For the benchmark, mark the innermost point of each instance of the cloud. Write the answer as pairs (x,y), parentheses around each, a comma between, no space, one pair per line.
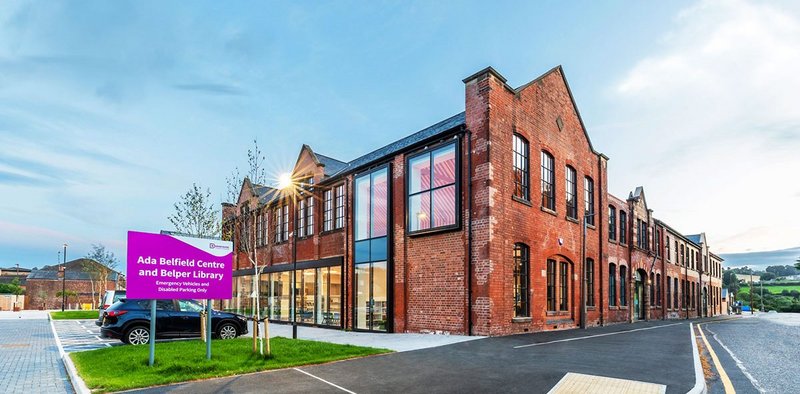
(712,114)
(211,88)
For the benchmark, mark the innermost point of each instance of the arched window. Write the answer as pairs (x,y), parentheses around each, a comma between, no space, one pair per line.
(653,300)
(622,284)
(521,275)
(548,181)
(623,227)
(572,193)
(521,176)
(551,285)
(588,194)
(669,292)
(612,284)
(658,289)
(675,304)
(564,279)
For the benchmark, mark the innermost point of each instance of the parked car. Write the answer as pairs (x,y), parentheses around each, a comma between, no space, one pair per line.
(129,321)
(109,298)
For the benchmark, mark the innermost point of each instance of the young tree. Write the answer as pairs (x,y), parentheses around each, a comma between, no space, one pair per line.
(98,273)
(255,172)
(195,213)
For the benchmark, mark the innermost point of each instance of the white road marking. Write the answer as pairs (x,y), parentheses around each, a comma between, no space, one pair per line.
(100,339)
(325,381)
(738,363)
(594,336)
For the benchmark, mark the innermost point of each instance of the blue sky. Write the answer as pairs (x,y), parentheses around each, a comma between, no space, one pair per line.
(109,111)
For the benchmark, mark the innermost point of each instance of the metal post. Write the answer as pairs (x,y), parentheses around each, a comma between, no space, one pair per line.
(64,280)
(751,295)
(583,274)
(294,266)
(762,294)
(152,332)
(208,330)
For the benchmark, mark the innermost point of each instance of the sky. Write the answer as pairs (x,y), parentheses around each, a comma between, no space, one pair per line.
(109,111)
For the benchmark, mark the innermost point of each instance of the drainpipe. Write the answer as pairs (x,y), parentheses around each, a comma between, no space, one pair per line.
(469,233)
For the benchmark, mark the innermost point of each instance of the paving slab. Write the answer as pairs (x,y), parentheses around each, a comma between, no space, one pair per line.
(29,358)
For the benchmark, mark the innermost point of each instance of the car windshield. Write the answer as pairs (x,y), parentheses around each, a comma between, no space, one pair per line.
(190,306)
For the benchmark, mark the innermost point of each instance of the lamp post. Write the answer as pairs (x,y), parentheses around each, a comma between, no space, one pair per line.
(584,291)
(286,183)
(64,279)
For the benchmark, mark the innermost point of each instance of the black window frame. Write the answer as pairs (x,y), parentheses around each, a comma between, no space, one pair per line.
(623,227)
(669,292)
(564,275)
(612,284)
(623,280)
(327,210)
(589,282)
(521,280)
(571,189)
(456,142)
(548,200)
(551,285)
(522,184)
(339,204)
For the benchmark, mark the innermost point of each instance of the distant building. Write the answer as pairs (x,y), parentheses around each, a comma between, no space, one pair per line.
(745,278)
(44,285)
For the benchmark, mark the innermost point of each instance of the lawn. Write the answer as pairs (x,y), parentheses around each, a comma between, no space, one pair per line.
(774,289)
(125,367)
(91,314)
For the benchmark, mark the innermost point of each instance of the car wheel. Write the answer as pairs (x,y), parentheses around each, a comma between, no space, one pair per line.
(137,336)
(226,331)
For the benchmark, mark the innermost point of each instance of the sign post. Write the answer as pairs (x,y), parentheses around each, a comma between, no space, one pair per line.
(167,267)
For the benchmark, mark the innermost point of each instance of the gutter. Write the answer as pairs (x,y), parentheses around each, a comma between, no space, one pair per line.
(469,233)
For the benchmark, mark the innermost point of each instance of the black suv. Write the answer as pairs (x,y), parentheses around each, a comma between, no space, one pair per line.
(129,320)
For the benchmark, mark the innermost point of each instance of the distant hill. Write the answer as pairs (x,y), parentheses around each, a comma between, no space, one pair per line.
(761,260)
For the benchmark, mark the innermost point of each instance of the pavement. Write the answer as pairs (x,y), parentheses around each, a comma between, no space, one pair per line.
(657,354)
(81,335)
(398,342)
(758,352)
(29,358)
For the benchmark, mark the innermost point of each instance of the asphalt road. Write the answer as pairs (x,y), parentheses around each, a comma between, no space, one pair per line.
(759,354)
(657,352)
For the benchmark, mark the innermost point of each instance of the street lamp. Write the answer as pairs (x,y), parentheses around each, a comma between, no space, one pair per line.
(286,184)
(64,279)
(586,216)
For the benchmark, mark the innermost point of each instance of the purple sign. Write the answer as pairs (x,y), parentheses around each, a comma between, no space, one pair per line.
(168,266)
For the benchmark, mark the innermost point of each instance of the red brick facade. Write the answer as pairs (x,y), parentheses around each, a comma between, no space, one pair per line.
(462,279)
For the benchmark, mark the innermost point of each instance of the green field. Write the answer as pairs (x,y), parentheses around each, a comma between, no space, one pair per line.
(774,289)
(125,367)
(82,315)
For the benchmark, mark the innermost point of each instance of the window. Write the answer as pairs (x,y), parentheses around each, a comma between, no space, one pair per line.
(612,285)
(677,259)
(589,282)
(300,219)
(564,305)
(370,287)
(683,256)
(521,275)
(623,227)
(551,285)
(669,292)
(548,182)
(432,198)
(588,188)
(572,193)
(668,252)
(259,229)
(310,216)
(327,210)
(281,223)
(658,289)
(652,287)
(685,294)
(641,234)
(657,242)
(339,207)
(675,304)
(521,172)
(622,286)
(612,223)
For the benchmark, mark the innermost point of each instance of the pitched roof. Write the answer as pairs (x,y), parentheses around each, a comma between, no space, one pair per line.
(406,142)
(694,238)
(332,166)
(74,271)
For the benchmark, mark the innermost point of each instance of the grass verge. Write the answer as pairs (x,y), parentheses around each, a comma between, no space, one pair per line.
(82,315)
(125,367)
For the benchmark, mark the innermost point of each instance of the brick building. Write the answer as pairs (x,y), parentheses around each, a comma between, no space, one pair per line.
(44,285)
(474,225)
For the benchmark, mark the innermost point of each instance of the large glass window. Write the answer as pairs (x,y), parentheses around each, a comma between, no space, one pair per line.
(521,176)
(372,209)
(588,193)
(623,284)
(521,275)
(623,227)
(305,283)
(589,282)
(432,198)
(281,221)
(572,193)
(551,285)
(612,285)
(548,182)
